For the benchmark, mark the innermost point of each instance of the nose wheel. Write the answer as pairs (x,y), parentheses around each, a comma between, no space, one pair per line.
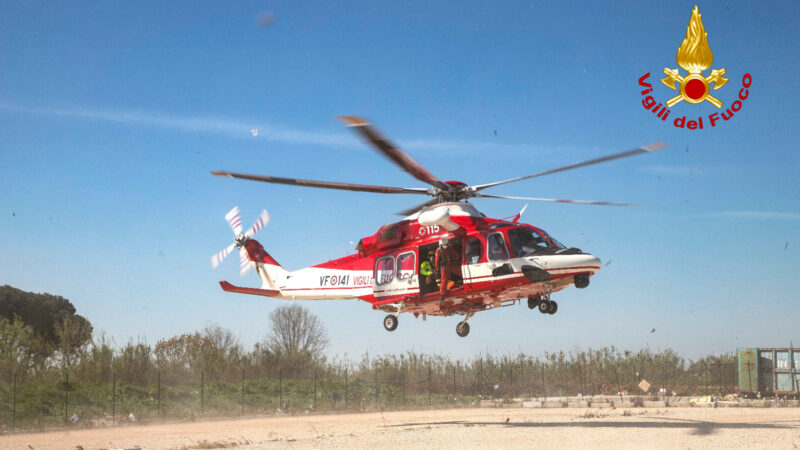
(390,322)
(462,329)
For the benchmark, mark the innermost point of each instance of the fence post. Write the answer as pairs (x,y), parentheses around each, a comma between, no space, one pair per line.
(522,377)
(113,398)
(377,387)
(580,375)
(404,384)
(511,381)
(544,389)
(566,390)
(503,377)
(280,388)
(158,392)
(454,383)
(315,389)
(202,392)
(480,379)
(14,394)
(66,399)
(242,390)
(705,372)
(430,386)
(345,388)
(720,375)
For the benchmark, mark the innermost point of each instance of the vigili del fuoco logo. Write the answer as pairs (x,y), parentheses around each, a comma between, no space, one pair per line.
(695,57)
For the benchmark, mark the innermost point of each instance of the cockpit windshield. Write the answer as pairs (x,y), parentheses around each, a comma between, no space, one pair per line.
(527,241)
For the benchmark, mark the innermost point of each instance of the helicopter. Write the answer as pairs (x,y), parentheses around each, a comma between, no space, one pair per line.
(486,263)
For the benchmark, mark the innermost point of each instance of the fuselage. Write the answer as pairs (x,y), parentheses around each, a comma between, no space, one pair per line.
(500,261)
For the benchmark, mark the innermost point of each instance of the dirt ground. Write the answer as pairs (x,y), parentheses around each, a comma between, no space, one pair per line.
(453,428)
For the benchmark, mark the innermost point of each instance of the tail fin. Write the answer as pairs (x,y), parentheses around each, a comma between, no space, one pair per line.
(270,272)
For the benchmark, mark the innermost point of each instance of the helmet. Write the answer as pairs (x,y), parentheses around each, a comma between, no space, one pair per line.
(443,242)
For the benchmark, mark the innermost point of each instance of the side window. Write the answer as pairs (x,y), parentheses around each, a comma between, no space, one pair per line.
(497,247)
(406,263)
(474,250)
(384,270)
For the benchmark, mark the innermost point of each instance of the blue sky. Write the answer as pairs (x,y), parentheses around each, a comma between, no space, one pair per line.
(112,116)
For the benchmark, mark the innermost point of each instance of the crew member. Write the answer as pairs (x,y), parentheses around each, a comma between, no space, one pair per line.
(447,262)
(426,270)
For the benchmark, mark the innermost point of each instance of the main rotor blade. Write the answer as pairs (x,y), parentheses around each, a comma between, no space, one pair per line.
(413,209)
(637,151)
(391,151)
(555,200)
(325,184)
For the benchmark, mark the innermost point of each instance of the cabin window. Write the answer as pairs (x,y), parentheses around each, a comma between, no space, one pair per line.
(384,270)
(496,247)
(474,250)
(406,263)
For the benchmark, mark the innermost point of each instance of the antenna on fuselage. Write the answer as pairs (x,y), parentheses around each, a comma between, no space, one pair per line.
(519,214)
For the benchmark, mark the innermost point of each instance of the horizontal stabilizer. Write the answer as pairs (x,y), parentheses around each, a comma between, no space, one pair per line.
(227,287)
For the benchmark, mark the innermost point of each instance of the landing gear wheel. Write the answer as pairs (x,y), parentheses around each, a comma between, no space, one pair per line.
(462,329)
(544,306)
(552,308)
(390,322)
(533,302)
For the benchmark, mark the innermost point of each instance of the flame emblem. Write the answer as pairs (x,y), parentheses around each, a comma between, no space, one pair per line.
(694,56)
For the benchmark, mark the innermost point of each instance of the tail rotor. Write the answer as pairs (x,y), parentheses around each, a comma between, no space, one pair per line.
(240,239)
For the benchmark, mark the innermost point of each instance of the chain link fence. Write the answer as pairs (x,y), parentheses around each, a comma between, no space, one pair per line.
(39,402)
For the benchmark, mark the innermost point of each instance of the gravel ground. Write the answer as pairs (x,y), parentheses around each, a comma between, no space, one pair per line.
(485,427)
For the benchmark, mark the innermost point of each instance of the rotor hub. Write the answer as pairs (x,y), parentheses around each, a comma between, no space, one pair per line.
(240,240)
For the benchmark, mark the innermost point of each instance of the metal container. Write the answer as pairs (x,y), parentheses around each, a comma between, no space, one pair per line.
(769,371)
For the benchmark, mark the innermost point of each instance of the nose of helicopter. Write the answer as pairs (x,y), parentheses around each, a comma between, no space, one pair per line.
(588,265)
(590,262)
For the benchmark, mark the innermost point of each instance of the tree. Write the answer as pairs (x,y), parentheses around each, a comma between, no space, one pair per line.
(73,337)
(17,347)
(43,313)
(294,332)
(214,350)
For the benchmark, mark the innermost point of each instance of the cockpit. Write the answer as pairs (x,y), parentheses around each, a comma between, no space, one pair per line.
(530,241)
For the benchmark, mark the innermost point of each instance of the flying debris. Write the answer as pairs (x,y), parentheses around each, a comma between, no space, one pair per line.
(266,19)
(254,132)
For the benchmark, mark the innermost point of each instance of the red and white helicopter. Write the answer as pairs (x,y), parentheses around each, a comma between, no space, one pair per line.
(501,261)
